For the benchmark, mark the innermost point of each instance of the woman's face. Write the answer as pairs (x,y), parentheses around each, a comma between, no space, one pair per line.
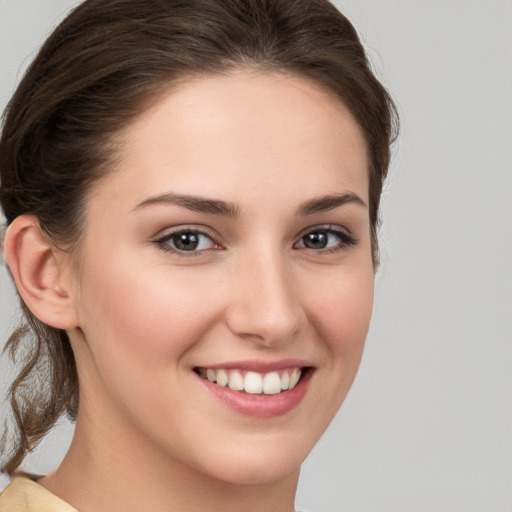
(230,243)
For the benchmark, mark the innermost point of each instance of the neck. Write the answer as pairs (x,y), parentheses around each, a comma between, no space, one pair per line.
(114,471)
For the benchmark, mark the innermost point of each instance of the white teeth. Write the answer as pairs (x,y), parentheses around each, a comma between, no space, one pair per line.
(285,381)
(222,377)
(253,383)
(294,378)
(236,381)
(271,383)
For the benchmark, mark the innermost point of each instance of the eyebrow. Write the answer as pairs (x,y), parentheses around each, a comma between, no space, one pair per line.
(326,203)
(195,203)
(226,209)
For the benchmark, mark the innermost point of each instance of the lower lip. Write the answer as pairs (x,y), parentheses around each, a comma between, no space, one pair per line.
(264,406)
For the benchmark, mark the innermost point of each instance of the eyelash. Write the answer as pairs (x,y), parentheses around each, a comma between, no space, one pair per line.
(345,240)
(163,242)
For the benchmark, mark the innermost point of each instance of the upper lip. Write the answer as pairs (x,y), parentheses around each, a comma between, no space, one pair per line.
(258,365)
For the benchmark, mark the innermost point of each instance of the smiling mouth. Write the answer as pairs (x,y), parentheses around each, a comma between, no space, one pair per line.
(254,383)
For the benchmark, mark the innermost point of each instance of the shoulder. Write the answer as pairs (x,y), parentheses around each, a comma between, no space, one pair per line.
(26,495)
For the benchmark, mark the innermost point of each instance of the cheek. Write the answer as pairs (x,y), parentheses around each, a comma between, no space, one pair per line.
(139,328)
(156,315)
(343,311)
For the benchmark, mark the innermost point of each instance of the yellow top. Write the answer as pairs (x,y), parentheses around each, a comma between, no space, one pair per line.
(25,495)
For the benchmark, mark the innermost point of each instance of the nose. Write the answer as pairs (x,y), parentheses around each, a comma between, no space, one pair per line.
(264,303)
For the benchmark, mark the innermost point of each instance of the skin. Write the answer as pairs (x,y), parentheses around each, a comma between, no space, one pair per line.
(149,436)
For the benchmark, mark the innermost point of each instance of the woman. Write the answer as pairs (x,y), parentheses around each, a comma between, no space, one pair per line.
(191,191)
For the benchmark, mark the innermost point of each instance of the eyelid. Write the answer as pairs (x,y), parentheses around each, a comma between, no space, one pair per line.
(345,236)
(198,228)
(164,236)
(348,239)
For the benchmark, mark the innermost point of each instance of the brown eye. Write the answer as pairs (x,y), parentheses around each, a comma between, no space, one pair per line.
(316,240)
(186,241)
(326,239)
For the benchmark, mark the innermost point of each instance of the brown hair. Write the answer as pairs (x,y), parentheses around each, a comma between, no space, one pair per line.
(100,68)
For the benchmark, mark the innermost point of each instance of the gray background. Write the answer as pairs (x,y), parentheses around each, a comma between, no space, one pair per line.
(428,423)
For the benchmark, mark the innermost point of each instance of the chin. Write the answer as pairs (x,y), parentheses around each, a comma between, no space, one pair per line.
(244,473)
(259,462)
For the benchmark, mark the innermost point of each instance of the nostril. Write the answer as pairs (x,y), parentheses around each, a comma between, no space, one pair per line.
(270,328)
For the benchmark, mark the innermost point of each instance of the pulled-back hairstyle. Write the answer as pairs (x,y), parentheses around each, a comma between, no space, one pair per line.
(104,65)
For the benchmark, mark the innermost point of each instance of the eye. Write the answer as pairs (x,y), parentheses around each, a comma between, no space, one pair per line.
(325,239)
(187,240)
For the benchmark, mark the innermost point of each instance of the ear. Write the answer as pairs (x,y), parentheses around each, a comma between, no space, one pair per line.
(40,272)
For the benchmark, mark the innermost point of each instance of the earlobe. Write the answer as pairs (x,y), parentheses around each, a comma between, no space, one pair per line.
(38,271)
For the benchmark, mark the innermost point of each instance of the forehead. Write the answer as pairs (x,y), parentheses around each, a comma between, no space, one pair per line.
(226,134)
